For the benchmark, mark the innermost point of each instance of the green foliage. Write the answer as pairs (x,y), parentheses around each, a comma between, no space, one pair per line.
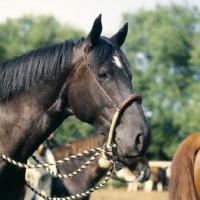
(24,34)
(168,38)
(72,129)
(167,76)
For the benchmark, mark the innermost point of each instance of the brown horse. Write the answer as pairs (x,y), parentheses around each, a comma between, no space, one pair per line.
(40,89)
(184,181)
(93,173)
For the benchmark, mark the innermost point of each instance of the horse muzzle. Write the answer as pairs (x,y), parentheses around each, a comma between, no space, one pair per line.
(132,146)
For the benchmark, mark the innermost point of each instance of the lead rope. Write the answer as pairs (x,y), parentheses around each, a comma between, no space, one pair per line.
(83,194)
(97,152)
(43,165)
(104,161)
(76,196)
(62,176)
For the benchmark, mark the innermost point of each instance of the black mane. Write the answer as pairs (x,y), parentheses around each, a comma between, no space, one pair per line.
(21,73)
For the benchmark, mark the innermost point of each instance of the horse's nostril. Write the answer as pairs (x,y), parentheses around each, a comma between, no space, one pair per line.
(138,142)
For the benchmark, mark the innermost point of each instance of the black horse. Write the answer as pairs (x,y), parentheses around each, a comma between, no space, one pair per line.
(40,89)
(93,173)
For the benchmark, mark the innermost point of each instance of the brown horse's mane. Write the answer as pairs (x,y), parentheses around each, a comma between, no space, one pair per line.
(181,185)
(78,146)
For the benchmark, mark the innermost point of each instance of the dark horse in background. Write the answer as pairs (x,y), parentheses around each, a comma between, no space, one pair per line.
(184,181)
(40,89)
(93,173)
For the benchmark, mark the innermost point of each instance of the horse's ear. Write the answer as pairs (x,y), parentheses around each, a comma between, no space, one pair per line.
(120,36)
(94,35)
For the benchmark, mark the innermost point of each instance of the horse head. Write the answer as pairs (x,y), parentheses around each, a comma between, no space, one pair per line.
(101,76)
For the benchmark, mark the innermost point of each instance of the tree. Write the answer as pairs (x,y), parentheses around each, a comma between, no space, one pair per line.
(19,36)
(74,129)
(164,51)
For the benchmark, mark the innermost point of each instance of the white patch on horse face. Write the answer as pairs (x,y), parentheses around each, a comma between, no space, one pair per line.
(117,62)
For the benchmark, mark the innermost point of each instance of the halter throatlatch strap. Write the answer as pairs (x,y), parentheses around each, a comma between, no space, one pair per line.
(104,161)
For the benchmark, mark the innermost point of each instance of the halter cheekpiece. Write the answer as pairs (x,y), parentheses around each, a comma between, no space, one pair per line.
(107,159)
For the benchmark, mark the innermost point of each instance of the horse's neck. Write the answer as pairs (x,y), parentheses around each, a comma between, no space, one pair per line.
(78,146)
(90,142)
(182,184)
(27,120)
(23,128)
(12,181)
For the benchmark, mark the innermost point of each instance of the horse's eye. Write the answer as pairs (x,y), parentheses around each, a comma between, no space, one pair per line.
(102,74)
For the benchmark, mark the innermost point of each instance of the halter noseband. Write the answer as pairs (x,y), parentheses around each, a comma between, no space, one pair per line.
(104,161)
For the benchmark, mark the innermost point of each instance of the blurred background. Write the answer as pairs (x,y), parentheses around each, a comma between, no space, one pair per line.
(163,47)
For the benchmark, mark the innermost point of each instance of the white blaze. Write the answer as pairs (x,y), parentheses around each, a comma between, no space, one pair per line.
(117,62)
